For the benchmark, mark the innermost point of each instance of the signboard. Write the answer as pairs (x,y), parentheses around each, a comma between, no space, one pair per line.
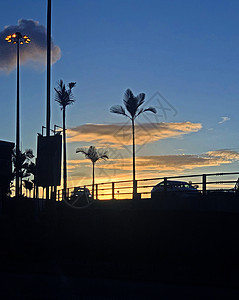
(5,162)
(48,160)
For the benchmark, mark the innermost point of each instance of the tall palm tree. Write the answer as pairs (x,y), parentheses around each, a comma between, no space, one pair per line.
(64,97)
(94,155)
(132,104)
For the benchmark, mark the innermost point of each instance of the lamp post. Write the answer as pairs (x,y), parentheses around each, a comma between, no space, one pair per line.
(48,80)
(18,39)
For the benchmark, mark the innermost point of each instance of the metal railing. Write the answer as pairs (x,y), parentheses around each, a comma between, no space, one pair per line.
(121,190)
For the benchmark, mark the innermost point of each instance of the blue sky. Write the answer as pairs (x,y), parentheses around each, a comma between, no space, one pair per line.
(186,50)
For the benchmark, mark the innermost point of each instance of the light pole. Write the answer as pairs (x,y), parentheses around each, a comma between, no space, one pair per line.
(48,80)
(18,39)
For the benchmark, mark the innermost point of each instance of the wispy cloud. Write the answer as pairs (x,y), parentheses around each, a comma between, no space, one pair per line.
(226,155)
(224,119)
(35,51)
(120,135)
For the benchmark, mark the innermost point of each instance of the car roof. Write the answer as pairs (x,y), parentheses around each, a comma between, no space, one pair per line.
(175,182)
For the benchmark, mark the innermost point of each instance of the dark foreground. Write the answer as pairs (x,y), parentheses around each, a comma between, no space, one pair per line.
(119,251)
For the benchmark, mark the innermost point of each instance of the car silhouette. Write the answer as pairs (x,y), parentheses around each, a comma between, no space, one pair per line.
(81,195)
(175,188)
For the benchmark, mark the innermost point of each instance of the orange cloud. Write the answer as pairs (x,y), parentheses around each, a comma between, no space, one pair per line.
(224,154)
(149,166)
(119,169)
(164,162)
(121,135)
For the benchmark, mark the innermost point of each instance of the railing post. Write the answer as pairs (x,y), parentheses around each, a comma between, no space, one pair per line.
(96,191)
(113,191)
(165,184)
(135,189)
(204,184)
(165,188)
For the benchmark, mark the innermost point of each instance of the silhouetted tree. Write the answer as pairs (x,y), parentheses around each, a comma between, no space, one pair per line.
(132,104)
(25,164)
(28,184)
(94,155)
(32,171)
(64,97)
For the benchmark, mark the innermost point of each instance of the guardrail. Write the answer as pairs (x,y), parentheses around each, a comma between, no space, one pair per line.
(121,190)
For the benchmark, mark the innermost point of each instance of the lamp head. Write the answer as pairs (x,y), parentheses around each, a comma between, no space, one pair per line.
(16,38)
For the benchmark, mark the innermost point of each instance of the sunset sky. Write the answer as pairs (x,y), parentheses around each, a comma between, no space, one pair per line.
(184,55)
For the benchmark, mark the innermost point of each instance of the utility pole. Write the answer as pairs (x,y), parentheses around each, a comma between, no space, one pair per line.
(18,39)
(48,98)
(48,105)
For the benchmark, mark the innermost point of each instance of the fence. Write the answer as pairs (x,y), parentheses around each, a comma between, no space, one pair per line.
(120,190)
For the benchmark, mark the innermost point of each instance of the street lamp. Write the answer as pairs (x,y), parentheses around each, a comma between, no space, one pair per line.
(18,39)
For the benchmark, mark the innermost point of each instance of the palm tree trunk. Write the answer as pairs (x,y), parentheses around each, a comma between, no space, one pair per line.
(134,182)
(34,190)
(64,153)
(93,180)
(20,186)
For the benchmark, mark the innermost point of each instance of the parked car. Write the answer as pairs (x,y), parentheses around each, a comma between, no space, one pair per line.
(175,188)
(81,196)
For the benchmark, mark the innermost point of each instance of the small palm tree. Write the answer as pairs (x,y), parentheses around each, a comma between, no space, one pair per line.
(28,184)
(25,163)
(94,155)
(132,104)
(64,97)
(32,171)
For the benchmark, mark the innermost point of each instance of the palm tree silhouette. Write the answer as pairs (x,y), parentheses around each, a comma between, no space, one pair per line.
(64,97)
(28,184)
(25,160)
(32,171)
(132,104)
(25,163)
(94,155)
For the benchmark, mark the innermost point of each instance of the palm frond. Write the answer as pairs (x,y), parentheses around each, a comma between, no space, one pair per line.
(61,84)
(81,150)
(140,99)
(131,106)
(151,109)
(128,94)
(103,154)
(71,85)
(130,102)
(28,153)
(104,157)
(118,109)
